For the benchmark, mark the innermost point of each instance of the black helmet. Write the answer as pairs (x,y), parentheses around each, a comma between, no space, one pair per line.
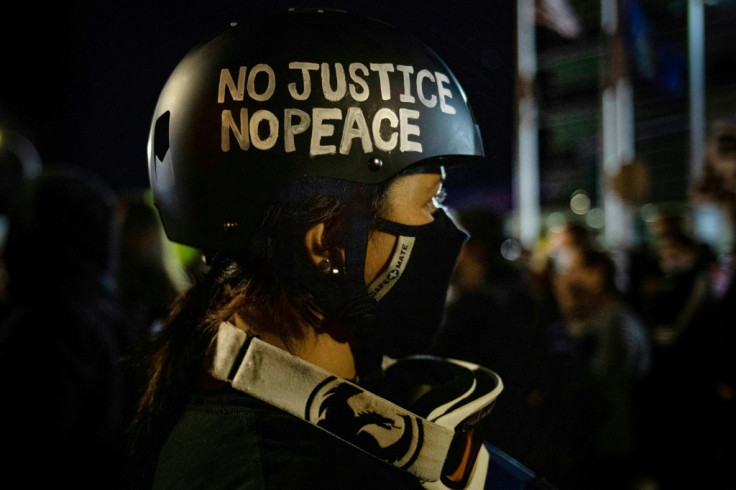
(272,99)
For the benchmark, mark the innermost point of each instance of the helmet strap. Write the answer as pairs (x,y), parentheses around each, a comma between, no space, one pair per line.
(359,311)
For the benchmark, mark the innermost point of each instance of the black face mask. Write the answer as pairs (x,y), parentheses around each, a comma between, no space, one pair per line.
(411,293)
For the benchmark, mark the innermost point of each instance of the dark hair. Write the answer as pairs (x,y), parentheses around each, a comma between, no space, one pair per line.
(265,285)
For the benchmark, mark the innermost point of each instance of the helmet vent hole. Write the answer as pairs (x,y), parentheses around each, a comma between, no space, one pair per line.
(161,136)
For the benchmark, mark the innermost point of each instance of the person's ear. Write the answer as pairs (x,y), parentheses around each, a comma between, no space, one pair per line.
(328,259)
(313,243)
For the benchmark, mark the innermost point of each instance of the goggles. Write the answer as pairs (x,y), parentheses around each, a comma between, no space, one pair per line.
(427,416)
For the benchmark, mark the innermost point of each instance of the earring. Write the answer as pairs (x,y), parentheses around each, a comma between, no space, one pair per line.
(325,265)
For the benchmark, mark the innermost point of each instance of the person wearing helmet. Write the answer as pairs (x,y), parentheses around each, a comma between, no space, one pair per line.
(304,154)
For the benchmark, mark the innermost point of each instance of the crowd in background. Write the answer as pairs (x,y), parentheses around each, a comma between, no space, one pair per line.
(617,374)
(618,365)
(84,279)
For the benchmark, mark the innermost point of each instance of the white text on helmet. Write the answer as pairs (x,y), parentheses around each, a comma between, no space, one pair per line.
(430,87)
(389,128)
(386,130)
(237,91)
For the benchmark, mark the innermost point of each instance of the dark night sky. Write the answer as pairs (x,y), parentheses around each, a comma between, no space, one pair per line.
(80,79)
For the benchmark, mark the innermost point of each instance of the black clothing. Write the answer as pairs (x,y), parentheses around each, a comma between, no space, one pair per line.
(59,363)
(227,439)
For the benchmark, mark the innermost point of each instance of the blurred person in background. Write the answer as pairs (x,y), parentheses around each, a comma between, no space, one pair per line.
(541,266)
(670,283)
(608,343)
(717,185)
(146,287)
(642,265)
(682,292)
(59,341)
(675,305)
(577,426)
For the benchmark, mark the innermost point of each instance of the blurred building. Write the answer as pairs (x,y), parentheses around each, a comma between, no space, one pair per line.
(623,94)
